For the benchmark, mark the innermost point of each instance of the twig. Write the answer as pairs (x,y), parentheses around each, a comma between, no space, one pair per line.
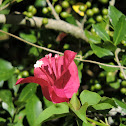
(4,7)
(53,10)
(1,2)
(117,60)
(53,51)
(112,2)
(83,21)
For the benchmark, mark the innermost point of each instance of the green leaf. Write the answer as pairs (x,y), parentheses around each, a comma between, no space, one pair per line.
(101,32)
(119,103)
(7,104)
(2,119)
(33,109)
(12,82)
(55,109)
(34,51)
(114,15)
(19,0)
(75,102)
(18,120)
(120,30)
(6,70)
(27,92)
(102,106)
(87,124)
(122,124)
(115,85)
(100,52)
(81,113)
(109,69)
(92,38)
(71,20)
(124,59)
(91,98)
(28,37)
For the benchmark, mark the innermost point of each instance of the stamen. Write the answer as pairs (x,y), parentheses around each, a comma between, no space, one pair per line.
(49,78)
(38,64)
(49,56)
(56,64)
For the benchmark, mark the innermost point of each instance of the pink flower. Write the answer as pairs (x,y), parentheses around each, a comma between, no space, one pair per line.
(57,76)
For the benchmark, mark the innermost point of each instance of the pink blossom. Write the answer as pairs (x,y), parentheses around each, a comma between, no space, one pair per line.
(57,76)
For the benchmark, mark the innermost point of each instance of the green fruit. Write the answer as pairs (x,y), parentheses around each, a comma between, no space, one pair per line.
(64,14)
(92,88)
(29,15)
(123,90)
(88,3)
(25,13)
(25,73)
(30,8)
(104,1)
(17,71)
(89,12)
(124,83)
(82,8)
(65,4)
(99,18)
(44,10)
(58,9)
(121,75)
(49,9)
(45,21)
(93,31)
(95,10)
(97,86)
(55,0)
(34,11)
(19,76)
(104,11)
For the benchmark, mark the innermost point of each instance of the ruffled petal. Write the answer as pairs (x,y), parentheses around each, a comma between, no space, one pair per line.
(57,99)
(68,58)
(68,83)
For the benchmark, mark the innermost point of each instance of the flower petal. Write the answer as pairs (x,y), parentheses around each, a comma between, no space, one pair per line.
(68,83)
(57,99)
(68,58)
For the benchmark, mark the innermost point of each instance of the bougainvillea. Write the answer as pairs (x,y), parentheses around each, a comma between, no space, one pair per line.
(57,76)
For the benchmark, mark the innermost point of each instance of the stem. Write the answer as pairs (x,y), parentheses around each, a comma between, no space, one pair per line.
(53,10)
(117,60)
(53,51)
(97,123)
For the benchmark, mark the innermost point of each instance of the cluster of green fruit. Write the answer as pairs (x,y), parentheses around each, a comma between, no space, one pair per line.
(21,74)
(31,11)
(58,8)
(95,10)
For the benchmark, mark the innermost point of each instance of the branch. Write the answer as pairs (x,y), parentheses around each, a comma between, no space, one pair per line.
(53,51)
(53,10)
(57,25)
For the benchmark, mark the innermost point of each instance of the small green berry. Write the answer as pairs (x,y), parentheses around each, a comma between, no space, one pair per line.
(45,21)
(82,8)
(88,3)
(65,4)
(25,73)
(104,11)
(44,10)
(58,9)
(34,11)
(95,10)
(123,83)
(89,12)
(97,86)
(30,8)
(123,90)
(25,13)
(64,14)
(99,18)
(29,15)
